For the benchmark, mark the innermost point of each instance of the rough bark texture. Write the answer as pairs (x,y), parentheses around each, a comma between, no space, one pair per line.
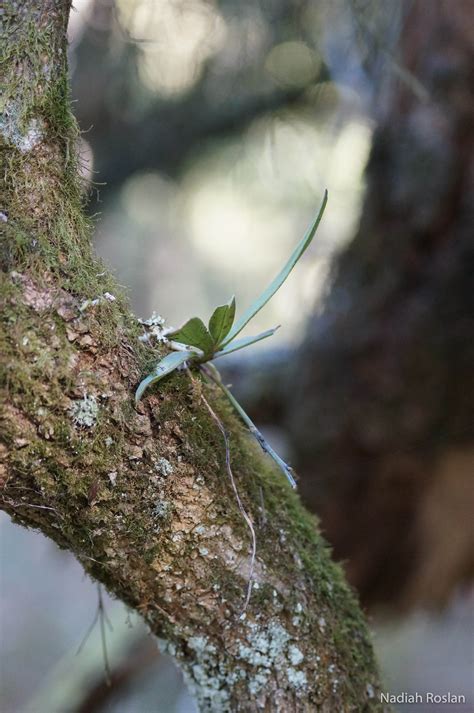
(140,495)
(381,397)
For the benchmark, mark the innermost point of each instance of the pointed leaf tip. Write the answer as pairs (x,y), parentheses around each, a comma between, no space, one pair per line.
(279,279)
(221,321)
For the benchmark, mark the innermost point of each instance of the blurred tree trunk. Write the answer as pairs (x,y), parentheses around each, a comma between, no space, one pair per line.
(140,494)
(381,395)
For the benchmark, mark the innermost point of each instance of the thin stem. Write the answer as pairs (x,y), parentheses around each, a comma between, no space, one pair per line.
(101,617)
(31,505)
(214,375)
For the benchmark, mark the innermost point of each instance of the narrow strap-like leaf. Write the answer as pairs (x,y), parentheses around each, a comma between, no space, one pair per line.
(279,279)
(211,371)
(245,342)
(168,364)
(194,333)
(221,321)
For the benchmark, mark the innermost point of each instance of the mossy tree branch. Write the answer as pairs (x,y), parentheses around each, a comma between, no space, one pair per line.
(140,494)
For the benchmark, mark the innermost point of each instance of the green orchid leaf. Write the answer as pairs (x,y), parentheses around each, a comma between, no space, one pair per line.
(194,333)
(168,364)
(279,279)
(245,342)
(221,321)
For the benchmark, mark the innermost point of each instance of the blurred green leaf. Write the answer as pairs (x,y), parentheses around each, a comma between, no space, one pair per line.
(194,333)
(168,364)
(279,279)
(245,342)
(221,321)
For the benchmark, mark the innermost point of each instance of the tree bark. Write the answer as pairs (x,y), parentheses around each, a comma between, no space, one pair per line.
(380,400)
(140,494)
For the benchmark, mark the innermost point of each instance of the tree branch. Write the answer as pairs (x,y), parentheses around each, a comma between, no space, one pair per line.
(140,495)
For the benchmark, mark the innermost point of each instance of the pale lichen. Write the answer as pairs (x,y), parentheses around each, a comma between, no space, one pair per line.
(296,621)
(297,679)
(24,140)
(164,467)
(269,649)
(107,296)
(295,655)
(154,328)
(370,691)
(84,412)
(207,677)
(161,508)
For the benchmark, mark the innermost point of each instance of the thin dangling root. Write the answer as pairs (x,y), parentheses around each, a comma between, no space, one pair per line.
(245,515)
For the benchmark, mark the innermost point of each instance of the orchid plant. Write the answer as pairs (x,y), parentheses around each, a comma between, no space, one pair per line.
(195,345)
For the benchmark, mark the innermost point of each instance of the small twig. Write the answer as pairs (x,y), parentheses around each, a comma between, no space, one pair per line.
(246,517)
(88,632)
(101,617)
(103,609)
(31,505)
(80,555)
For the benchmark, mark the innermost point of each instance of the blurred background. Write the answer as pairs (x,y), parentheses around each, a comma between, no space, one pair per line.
(210,129)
